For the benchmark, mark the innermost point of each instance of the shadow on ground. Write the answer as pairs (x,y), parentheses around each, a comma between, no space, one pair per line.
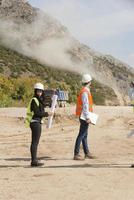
(98,165)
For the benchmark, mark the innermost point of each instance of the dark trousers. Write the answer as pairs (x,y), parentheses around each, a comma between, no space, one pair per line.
(36,133)
(82,137)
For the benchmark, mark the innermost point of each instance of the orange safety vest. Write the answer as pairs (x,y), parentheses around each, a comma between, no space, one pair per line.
(79,104)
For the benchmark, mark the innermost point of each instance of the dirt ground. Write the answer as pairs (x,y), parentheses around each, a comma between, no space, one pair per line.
(108,177)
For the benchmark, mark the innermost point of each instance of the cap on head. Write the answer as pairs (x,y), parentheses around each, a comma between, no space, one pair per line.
(86,78)
(39,86)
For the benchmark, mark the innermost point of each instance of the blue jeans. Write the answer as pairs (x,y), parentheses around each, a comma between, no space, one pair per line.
(82,137)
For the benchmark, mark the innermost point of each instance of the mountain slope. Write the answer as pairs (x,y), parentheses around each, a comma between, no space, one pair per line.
(18,73)
(35,34)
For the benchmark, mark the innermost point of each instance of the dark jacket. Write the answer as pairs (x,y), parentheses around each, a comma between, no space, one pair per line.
(39,111)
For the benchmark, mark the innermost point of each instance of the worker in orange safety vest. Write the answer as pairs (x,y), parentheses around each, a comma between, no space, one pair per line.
(84,106)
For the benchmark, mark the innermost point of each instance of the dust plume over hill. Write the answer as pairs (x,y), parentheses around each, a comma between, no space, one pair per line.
(35,34)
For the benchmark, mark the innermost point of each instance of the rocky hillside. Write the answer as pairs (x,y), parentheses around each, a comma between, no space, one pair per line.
(18,74)
(35,34)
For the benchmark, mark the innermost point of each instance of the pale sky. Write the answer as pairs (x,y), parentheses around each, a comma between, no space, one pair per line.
(106,26)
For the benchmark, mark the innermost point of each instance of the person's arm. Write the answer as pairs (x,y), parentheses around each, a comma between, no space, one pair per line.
(85,105)
(37,112)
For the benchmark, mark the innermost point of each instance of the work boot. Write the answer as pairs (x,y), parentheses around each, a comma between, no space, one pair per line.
(36,164)
(78,157)
(89,156)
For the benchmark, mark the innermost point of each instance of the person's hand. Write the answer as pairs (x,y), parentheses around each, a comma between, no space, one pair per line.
(88,121)
(50,113)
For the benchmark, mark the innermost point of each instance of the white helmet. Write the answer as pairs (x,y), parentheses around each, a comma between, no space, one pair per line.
(86,78)
(39,86)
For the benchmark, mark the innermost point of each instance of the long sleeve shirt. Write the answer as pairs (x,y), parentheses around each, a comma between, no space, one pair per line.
(39,112)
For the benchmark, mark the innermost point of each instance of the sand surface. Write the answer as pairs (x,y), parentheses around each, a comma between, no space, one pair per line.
(108,177)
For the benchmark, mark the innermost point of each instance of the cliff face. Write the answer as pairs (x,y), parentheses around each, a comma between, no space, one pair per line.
(36,34)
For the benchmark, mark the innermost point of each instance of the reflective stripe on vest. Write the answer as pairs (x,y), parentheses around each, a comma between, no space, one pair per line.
(30,113)
(79,101)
